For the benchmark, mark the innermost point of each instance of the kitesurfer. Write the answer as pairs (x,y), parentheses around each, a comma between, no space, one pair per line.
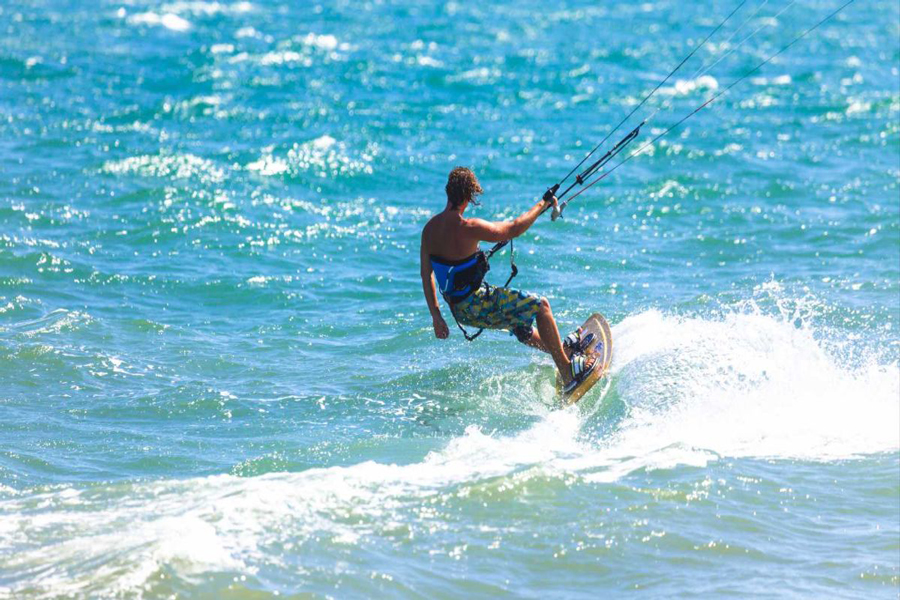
(450,253)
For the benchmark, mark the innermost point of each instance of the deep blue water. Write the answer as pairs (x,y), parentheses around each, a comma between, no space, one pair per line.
(217,371)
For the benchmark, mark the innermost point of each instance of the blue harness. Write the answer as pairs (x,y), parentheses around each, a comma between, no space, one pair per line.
(458,279)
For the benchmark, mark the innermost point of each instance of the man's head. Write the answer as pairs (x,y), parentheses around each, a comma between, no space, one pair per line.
(462,187)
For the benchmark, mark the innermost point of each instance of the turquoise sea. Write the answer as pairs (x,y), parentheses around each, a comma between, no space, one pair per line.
(218,377)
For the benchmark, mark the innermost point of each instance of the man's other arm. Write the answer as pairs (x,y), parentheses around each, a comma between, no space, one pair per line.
(441,331)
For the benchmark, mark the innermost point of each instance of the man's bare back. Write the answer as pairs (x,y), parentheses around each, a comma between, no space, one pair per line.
(448,235)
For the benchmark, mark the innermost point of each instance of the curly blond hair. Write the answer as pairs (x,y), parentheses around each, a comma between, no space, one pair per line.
(462,186)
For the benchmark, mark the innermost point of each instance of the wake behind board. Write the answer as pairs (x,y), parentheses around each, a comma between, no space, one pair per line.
(601,346)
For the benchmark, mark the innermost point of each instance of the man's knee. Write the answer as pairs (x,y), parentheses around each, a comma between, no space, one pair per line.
(544,307)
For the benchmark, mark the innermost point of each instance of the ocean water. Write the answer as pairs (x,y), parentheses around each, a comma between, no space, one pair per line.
(218,377)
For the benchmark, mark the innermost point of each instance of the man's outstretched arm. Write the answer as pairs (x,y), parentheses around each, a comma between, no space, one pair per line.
(488,231)
(441,331)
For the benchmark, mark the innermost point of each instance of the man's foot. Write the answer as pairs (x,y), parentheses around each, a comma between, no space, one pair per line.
(575,343)
(582,366)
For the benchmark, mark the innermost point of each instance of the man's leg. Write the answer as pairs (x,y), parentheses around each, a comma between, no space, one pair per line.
(535,342)
(547,339)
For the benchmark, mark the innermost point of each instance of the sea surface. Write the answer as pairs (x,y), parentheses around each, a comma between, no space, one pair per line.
(218,376)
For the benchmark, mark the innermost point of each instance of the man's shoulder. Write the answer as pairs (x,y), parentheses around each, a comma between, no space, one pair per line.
(429,232)
(476,224)
(429,225)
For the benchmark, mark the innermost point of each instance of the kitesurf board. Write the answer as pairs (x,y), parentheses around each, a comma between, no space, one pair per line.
(601,347)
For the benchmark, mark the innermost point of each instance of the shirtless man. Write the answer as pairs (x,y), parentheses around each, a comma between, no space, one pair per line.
(450,252)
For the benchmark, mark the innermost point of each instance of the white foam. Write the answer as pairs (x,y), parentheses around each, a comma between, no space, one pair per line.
(683,87)
(749,384)
(170,21)
(281,57)
(54,322)
(778,80)
(226,522)
(175,166)
(478,75)
(207,9)
(743,384)
(324,156)
(322,41)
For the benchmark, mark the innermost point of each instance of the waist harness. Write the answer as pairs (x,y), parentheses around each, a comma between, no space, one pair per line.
(458,279)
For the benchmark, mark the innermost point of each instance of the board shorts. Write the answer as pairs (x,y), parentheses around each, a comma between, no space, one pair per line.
(499,308)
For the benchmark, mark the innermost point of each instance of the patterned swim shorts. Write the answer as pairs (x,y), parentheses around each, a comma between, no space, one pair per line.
(499,308)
